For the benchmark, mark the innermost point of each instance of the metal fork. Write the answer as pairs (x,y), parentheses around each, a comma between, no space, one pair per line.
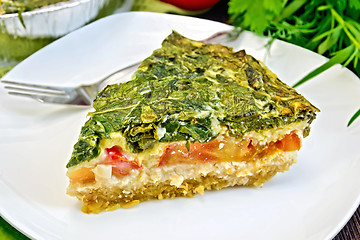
(84,94)
(81,95)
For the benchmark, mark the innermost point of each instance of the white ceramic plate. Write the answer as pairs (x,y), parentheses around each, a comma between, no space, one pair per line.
(313,200)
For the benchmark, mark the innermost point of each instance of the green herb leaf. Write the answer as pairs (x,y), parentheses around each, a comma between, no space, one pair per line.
(255,15)
(21,19)
(187,145)
(8,232)
(338,58)
(354,117)
(331,39)
(355,4)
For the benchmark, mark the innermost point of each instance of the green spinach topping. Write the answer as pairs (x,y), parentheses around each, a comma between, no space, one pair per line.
(182,92)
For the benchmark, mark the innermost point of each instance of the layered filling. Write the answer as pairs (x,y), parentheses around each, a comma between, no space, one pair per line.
(177,161)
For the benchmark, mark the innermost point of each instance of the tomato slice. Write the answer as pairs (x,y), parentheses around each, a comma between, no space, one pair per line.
(177,153)
(218,150)
(226,150)
(121,165)
(290,142)
(115,153)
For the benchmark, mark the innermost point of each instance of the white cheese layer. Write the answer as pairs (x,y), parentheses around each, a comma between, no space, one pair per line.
(175,175)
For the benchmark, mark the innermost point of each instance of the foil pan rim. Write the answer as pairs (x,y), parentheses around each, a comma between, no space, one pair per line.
(55,20)
(46,9)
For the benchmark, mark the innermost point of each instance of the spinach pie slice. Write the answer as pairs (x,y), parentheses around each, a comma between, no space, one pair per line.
(194,117)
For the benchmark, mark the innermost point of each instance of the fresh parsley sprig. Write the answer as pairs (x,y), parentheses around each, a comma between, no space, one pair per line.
(328,27)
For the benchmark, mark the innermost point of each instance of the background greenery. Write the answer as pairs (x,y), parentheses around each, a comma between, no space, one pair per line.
(7,232)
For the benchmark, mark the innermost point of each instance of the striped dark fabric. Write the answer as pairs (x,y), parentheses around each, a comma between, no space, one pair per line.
(351,231)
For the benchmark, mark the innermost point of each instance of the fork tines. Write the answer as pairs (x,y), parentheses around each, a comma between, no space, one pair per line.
(17,88)
(38,92)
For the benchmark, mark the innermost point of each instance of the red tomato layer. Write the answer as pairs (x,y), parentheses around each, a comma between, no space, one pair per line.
(218,150)
(121,165)
(226,150)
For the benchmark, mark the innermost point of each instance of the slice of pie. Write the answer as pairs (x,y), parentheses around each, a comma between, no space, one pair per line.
(194,117)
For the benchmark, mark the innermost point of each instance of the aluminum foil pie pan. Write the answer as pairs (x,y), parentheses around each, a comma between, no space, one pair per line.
(59,19)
